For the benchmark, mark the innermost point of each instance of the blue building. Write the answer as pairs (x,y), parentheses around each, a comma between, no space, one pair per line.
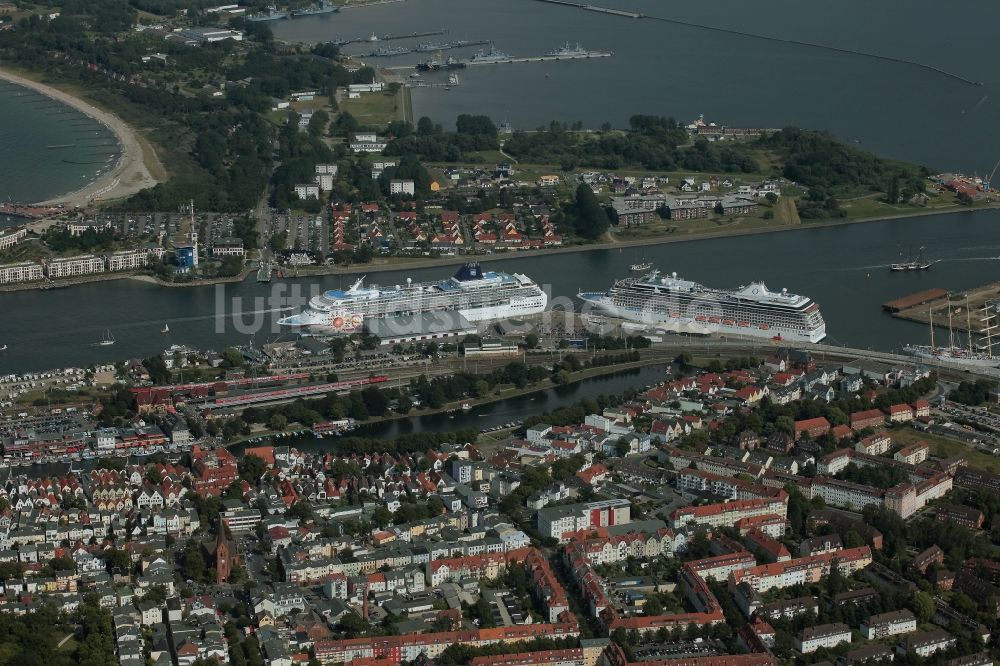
(186,257)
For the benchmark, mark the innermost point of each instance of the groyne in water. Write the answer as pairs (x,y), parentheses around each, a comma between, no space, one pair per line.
(740,33)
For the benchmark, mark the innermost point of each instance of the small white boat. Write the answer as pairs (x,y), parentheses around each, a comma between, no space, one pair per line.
(3,348)
(638,268)
(165,329)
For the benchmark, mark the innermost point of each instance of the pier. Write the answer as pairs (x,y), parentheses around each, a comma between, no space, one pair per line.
(442,47)
(543,58)
(388,38)
(965,307)
(503,61)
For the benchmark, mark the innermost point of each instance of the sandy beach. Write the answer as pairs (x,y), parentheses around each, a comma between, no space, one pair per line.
(130,174)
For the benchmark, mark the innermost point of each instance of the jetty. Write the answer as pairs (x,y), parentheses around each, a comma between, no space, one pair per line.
(504,61)
(964,308)
(388,38)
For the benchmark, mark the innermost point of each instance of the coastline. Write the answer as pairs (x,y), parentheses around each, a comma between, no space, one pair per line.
(610,245)
(130,174)
(437,262)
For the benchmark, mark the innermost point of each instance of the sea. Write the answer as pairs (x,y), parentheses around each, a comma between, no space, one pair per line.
(48,148)
(768,76)
(897,109)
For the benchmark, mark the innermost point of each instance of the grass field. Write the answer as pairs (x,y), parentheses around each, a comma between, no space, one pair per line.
(943,447)
(374,108)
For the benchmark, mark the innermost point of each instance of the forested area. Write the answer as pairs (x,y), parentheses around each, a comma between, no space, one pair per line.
(32,639)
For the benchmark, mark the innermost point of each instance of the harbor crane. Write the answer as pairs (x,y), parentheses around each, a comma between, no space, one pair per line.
(988,181)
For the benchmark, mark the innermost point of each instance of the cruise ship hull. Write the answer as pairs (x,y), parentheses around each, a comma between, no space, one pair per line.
(691,325)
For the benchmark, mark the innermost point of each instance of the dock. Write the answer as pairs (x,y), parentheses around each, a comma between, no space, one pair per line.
(965,308)
(914,300)
(389,38)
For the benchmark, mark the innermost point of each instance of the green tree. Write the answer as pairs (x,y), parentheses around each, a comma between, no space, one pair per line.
(922,605)
(278,422)
(586,215)
(252,467)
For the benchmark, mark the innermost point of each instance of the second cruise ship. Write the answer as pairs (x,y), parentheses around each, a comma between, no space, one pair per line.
(475,294)
(676,305)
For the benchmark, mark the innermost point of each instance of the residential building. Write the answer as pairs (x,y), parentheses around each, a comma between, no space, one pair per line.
(811,639)
(84,264)
(889,624)
(555,522)
(914,454)
(307,191)
(11,237)
(398,186)
(926,643)
(24,271)
(127,260)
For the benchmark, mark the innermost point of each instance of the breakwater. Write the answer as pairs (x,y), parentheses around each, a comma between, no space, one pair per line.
(740,33)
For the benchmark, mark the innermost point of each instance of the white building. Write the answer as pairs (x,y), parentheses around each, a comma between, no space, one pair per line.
(24,271)
(126,260)
(367,142)
(327,168)
(913,454)
(556,521)
(926,643)
(11,237)
(307,191)
(84,264)
(874,445)
(324,181)
(209,35)
(77,228)
(397,186)
(374,86)
(228,247)
(811,639)
(889,624)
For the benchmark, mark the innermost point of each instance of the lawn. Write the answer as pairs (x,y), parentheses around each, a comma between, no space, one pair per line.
(943,447)
(874,206)
(374,108)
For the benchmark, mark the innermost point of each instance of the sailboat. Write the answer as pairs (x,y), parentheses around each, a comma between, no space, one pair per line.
(912,264)
(641,266)
(955,354)
(165,329)
(107,340)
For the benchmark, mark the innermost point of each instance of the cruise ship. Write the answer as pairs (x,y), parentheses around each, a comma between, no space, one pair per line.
(675,305)
(473,293)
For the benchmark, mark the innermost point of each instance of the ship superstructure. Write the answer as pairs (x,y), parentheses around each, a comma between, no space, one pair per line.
(676,305)
(475,294)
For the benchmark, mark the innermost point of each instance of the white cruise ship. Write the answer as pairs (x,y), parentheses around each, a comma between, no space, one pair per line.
(476,295)
(675,305)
